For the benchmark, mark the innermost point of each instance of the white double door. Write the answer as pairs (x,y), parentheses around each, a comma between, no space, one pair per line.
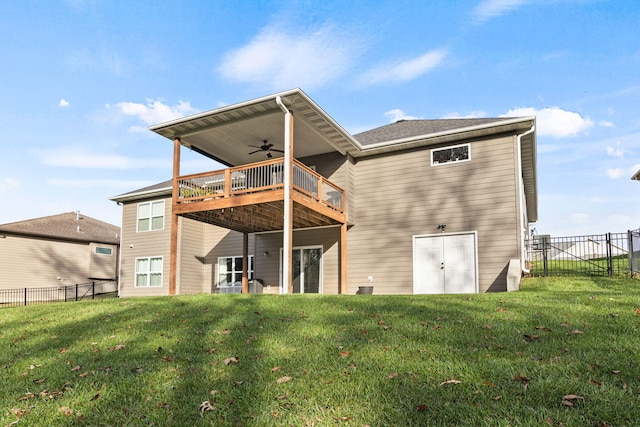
(445,264)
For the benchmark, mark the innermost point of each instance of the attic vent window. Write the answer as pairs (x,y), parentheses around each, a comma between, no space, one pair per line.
(455,153)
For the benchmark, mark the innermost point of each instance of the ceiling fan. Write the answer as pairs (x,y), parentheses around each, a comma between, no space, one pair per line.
(266,147)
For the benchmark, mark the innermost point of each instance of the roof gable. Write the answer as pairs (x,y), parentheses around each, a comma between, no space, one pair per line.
(66,226)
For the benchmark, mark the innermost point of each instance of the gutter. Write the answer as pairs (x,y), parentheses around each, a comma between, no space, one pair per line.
(523,229)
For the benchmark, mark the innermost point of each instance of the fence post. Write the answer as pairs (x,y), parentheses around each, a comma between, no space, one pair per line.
(630,251)
(25,296)
(76,292)
(93,290)
(545,268)
(609,256)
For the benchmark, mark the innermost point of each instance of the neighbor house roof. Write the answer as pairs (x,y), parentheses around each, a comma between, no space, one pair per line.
(411,128)
(636,177)
(66,226)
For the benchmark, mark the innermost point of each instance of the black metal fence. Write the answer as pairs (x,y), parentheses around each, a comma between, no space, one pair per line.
(77,292)
(609,254)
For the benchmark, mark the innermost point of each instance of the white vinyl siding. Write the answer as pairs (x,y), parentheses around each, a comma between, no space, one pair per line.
(151,216)
(148,272)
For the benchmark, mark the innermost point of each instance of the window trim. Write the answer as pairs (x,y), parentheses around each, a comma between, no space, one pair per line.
(150,217)
(95,250)
(250,271)
(148,272)
(450,147)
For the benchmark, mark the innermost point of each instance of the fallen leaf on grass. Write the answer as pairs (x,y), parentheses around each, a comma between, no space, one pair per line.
(28,395)
(421,408)
(392,375)
(211,350)
(530,337)
(19,412)
(344,353)
(119,347)
(451,381)
(275,369)
(84,374)
(39,380)
(96,397)
(230,360)
(65,410)
(227,331)
(577,331)
(594,382)
(568,399)
(501,309)
(636,311)
(76,368)
(205,406)
(615,372)
(283,380)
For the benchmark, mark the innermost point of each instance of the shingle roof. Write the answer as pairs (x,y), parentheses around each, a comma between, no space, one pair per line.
(409,128)
(154,190)
(66,226)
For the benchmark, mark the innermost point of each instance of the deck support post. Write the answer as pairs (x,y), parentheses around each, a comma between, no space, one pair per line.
(173,255)
(343,258)
(287,232)
(245,263)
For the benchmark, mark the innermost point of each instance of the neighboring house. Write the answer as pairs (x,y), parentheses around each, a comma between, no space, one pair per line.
(636,176)
(417,206)
(64,249)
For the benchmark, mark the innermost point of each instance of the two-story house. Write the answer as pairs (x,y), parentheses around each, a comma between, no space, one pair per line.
(417,206)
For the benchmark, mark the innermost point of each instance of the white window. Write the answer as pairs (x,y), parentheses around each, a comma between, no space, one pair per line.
(230,270)
(455,153)
(151,216)
(101,250)
(148,272)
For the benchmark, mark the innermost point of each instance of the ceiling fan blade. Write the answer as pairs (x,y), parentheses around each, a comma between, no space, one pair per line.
(255,146)
(256,151)
(275,149)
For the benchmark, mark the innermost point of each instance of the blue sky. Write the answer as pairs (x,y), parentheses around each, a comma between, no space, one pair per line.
(82,79)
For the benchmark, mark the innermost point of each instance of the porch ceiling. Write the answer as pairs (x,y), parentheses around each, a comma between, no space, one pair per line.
(228,134)
(261,217)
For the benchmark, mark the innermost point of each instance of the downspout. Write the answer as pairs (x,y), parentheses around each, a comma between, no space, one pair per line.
(286,232)
(523,227)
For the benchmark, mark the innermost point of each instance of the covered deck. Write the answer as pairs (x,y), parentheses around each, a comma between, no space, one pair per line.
(250,198)
(280,193)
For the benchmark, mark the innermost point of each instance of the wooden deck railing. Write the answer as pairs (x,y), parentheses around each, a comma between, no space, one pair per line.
(259,177)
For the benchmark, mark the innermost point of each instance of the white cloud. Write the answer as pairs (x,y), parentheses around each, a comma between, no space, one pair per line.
(615,173)
(282,60)
(79,158)
(155,111)
(579,218)
(63,103)
(405,70)
(606,124)
(616,151)
(472,115)
(554,121)
(488,9)
(397,114)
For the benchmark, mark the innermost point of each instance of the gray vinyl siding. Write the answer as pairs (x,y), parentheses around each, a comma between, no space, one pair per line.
(103,266)
(402,195)
(143,244)
(29,262)
(191,259)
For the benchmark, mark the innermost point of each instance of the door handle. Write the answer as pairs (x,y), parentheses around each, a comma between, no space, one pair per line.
(442,266)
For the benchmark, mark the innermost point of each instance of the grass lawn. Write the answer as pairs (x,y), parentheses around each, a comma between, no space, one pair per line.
(561,352)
